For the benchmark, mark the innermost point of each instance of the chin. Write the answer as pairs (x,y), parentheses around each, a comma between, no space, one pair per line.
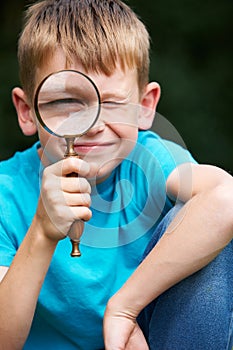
(103,171)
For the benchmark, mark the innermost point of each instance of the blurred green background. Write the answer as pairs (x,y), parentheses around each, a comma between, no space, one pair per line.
(191,58)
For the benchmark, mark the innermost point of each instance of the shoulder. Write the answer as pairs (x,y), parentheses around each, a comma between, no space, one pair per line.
(164,154)
(21,168)
(19,191)
(158,145)
(20,159)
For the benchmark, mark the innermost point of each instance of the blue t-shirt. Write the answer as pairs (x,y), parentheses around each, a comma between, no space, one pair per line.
(126,210)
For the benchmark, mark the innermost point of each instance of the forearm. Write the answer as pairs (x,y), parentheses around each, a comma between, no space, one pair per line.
(60,197)
(200,231)
(21,286)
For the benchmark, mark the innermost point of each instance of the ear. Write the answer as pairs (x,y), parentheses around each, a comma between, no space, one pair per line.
(24,111)
(149,101)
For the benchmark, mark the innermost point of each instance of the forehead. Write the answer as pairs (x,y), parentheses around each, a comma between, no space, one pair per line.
(119,83)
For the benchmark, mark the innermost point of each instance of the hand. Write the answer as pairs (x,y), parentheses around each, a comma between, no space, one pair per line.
(64,200)
(121,331)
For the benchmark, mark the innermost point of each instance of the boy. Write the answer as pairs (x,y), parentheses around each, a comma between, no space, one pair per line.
(128,180)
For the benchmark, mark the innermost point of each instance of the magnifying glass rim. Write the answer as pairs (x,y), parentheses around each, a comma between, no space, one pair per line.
(37,109)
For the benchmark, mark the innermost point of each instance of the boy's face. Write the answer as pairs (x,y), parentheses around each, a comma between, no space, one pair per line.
(114,135)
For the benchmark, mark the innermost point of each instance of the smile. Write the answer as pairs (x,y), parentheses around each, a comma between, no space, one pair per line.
(85,148)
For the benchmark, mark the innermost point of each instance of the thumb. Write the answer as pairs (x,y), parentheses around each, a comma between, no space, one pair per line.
(137,340)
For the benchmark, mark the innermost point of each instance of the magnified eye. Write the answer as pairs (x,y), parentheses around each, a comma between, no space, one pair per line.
(62,107)
(63,102)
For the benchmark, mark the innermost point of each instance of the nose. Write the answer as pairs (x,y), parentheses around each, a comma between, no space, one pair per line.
(99,126)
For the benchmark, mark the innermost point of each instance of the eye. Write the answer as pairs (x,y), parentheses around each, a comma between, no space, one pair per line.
(112,104)
(64,101)
(62,104)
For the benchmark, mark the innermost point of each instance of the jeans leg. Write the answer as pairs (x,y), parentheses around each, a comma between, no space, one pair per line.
(197,313)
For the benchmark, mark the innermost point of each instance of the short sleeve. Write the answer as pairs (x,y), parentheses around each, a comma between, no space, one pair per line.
(166,154)
(7,246)
(19,192)
(172,155)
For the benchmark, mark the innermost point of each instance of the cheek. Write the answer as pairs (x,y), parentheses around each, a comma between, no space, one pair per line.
(127,136)
(123,120)
(111,160)
(47,141)
(124,130)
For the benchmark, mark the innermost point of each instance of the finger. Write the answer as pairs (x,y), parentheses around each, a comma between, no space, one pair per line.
(94,168)
(137,340)
(81,213)
(115,326)
(75,185)
(69,165)
(77,199)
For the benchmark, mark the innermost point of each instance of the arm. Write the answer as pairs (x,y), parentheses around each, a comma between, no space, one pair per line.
(189,179)
(21,283)
(199,232)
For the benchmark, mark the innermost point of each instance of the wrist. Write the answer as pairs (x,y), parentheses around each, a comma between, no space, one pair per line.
(44,226)
(122,304)
(40,235)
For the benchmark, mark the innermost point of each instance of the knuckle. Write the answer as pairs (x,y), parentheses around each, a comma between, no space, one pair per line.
(88,187)
(84,167)
(45,172)
(77,164)
(45,186)
(84,185)
(86,214)
(86,199)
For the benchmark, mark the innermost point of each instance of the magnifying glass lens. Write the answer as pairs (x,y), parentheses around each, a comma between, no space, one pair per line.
(67,103)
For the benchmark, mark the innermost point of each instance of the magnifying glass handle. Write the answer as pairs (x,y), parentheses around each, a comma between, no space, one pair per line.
(74,241)
(70,152)
(75,252)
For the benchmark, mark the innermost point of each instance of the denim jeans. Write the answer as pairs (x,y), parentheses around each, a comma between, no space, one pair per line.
(196,313)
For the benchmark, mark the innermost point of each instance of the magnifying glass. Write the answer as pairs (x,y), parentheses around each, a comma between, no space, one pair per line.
(67,105)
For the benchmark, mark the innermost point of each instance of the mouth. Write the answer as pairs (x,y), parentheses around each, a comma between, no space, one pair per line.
(87,147)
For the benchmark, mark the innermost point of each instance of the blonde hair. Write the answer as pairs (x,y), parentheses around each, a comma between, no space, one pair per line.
(99,33)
